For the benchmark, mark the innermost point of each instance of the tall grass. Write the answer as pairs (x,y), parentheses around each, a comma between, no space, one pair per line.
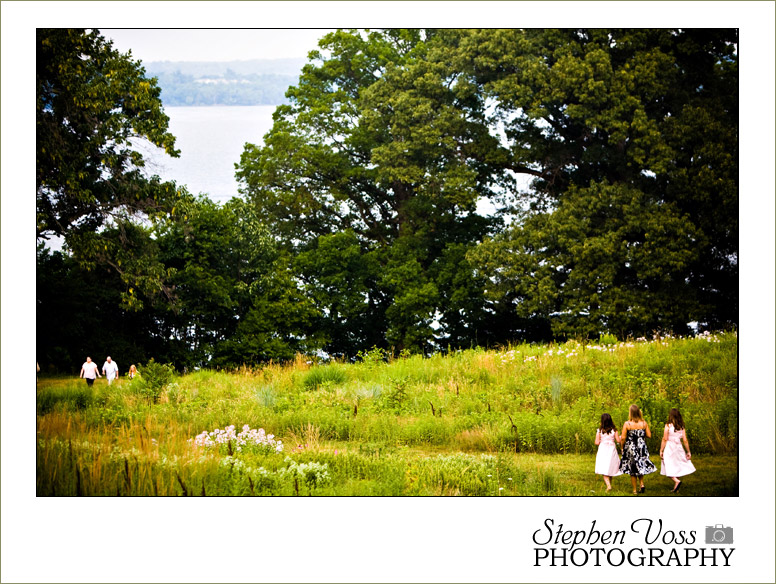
(411,425)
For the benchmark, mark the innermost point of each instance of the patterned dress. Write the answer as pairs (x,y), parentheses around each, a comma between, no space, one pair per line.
(635,456)
(675,462)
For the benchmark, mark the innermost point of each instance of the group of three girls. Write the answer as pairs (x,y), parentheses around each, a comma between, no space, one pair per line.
(674,461)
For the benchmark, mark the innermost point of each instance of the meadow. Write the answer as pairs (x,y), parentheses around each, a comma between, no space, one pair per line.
(516,421)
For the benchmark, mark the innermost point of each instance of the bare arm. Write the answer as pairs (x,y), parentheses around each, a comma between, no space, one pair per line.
(597,437)
(649,434)
(686,443)
(665,439)
(624,431)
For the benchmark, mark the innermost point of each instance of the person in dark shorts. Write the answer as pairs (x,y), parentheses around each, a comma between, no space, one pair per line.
(89,370)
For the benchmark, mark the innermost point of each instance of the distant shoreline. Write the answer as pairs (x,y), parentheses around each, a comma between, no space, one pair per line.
(200,83)
(213,105)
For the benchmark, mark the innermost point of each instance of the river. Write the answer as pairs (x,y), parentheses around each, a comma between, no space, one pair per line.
(211,140)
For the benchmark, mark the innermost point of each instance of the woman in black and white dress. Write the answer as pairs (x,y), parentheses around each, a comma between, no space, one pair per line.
(635,456)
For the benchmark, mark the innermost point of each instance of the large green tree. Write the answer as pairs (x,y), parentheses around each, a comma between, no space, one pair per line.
(79,312)
(630,137)
(235,299)
(92,102)
(381,156)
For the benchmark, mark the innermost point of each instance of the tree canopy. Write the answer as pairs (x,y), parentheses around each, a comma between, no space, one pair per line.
(381,149)
(421,189)
(92,102)
(629,138)
(631,224)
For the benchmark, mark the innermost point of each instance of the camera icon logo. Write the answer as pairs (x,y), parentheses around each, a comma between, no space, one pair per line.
(719,534)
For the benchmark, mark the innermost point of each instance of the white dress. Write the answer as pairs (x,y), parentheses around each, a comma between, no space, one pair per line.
(675,462)
(607,462)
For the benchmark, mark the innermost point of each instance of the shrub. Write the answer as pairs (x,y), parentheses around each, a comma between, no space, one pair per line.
(324,375)
(607,339)
(266,396)
(154,379)
(373,356)
(396,397)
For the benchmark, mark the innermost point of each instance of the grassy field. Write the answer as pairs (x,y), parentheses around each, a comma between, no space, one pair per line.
(517,421)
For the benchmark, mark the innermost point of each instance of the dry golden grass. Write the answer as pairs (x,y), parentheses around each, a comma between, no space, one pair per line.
(474,440)
(308,436)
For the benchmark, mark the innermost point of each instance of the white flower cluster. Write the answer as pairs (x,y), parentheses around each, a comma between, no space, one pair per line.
(248,437)
(708,337)
(610,348)
(572,348)
(168,462)
(240,466)
(313,473)
(75,445)
(509,356)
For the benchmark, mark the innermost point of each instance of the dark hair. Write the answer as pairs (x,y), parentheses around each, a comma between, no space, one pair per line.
(675,418)
(606,424)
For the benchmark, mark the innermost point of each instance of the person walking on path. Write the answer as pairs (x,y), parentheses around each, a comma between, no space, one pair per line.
(110,369)
(635,456)
(674,462)
(607,462)
(89,371)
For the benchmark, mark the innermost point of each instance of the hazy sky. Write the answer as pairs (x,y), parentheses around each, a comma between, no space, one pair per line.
(214,44)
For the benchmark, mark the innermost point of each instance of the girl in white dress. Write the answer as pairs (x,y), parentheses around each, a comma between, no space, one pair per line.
(607,462)
(674,462)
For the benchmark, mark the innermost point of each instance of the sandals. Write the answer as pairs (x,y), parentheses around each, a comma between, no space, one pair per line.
(676,488)
(643,488)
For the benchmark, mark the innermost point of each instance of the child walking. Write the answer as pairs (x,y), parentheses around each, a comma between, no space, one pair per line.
(674,462)
(607,462)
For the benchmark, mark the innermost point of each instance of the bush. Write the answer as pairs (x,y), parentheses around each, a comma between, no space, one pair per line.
(324,375)
(154,379)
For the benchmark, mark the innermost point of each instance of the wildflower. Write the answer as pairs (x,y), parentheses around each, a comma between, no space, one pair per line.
(247,437)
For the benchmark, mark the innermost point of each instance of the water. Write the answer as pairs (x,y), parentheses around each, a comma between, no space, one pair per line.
(211,140)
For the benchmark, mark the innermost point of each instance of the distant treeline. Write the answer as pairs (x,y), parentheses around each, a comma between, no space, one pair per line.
(257,82)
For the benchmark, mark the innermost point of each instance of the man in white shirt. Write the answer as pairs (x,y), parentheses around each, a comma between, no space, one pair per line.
(110,369)
(89,371)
